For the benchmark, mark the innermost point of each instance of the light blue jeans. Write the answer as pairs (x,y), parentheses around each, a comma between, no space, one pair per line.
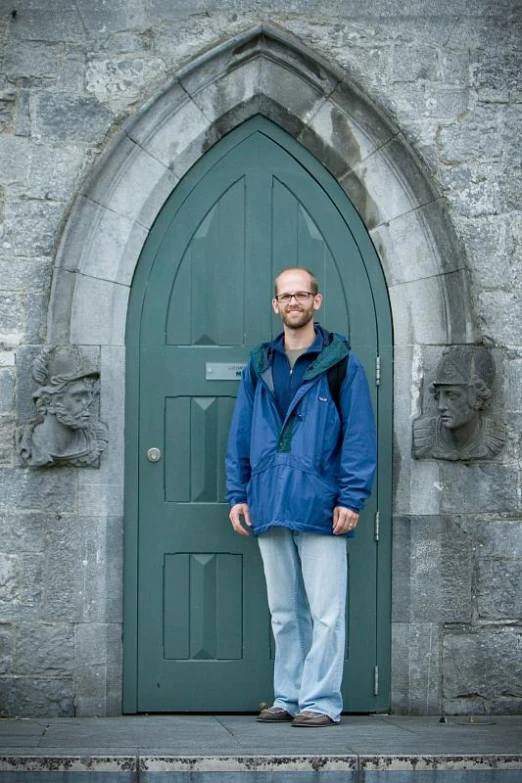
(306,577)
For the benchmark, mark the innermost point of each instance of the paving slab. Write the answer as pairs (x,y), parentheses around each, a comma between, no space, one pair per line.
(237,749)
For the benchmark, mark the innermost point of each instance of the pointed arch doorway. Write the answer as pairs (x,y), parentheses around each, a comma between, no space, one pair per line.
(200,300)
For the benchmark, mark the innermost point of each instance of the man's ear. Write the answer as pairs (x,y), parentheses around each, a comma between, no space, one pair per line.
(318,300)
(275,306)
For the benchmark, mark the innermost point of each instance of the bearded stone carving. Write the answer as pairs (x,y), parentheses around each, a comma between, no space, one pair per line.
(462,390)
(66,429)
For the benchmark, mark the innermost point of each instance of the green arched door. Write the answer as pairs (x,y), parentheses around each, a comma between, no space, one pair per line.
(197,632)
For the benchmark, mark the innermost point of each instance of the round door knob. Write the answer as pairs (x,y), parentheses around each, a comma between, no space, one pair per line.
(154,455)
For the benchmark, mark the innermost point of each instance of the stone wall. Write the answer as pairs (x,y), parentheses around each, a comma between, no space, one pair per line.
(72,75)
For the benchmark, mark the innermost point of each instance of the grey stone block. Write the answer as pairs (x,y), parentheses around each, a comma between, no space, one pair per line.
(433,558)
(20,584)
(500,313)
(31,227)
(7,433)
(69,118)
(14,160)
(387,184)
(96,656)
(107,244)
(35,697)
(7,643)
(415,62)
(499,538)
(82,578)
(26,275)
(56,169)
(7,388)
(22,122)
(473,189)
(45,649)
(169,125)
(41,490)
(479,488)
(122,79)
(54,22)
(499,589)
(100,19)
(407,248)
(7,110)
(432,311)
(484,663)
(415,668)
(23,532)
(99,310)
(499,75)
(33,58)
(132,183)
(475,135)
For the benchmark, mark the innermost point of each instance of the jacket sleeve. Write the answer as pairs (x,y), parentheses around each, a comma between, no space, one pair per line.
(237,461)
(359,447)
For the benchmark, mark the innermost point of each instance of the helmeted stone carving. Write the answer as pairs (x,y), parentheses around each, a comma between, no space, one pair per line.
(66,429)
(462,390)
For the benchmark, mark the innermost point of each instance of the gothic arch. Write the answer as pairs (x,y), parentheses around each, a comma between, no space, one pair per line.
(263,71)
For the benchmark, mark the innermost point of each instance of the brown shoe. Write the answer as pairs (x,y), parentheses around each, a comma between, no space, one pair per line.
(274,715)
(313,720)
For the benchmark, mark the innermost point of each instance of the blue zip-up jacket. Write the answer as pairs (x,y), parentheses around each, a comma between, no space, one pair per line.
(293,472)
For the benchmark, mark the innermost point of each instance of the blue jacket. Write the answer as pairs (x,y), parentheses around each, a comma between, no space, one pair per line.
(292,472)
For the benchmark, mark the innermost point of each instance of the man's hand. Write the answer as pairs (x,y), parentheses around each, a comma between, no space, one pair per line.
(344,520)
(236,512)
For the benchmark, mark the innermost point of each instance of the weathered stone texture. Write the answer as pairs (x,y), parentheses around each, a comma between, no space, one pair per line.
(7,643)
(31,227)
(484,664)
(44,649)
(35,697)
(119,81)
(434,566)
(69,118)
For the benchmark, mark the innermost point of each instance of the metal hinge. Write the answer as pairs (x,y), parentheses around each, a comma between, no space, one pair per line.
(377,370)
(376,681)
(377,525)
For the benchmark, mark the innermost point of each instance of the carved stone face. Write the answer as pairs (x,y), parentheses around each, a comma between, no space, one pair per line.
(71,405)
(455,407)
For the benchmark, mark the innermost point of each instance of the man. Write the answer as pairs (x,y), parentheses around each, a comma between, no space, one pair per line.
(298,473)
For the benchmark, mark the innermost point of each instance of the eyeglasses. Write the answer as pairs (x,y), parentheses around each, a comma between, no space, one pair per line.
(299,296)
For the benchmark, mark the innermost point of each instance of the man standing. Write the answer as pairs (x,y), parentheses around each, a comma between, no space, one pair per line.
(300,463)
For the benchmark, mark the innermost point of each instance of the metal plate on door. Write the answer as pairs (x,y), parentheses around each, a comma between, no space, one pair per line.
(154,454)
(224,371)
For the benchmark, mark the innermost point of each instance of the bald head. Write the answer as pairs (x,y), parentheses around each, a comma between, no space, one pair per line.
(309,279)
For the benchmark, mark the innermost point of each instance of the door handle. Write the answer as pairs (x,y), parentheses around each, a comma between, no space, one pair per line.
(154,454)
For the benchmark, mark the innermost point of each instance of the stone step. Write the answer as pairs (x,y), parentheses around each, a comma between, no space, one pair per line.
(86,768)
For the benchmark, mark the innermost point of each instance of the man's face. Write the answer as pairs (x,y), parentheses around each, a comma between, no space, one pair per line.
(295,313)
(454,406)
(71,405)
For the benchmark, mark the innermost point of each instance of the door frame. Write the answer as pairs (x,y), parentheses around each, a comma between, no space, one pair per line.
(360,143)
(382,487)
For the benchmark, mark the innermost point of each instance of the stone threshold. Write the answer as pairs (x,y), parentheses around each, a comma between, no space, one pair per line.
(54,767)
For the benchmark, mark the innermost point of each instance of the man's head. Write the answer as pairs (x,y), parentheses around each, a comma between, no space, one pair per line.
(296,297)
(462,385)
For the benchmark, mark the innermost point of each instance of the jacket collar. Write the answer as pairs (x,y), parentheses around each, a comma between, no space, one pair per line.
(330,348)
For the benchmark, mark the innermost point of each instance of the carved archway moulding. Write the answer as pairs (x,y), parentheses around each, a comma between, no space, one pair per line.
(263,71)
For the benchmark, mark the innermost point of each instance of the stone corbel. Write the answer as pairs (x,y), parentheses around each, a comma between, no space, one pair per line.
(463,393)
(65,428)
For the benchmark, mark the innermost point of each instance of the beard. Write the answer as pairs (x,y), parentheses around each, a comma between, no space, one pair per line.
(79,422)
(297,318)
